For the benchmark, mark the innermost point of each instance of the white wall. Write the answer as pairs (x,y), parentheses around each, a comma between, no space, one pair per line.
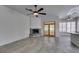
(36,22)
(13,25)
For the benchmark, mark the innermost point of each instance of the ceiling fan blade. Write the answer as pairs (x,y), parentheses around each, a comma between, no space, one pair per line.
(29,9)
(42,13)
(29,14)
(40,9)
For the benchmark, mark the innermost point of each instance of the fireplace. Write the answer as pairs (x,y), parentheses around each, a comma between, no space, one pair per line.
(35,32)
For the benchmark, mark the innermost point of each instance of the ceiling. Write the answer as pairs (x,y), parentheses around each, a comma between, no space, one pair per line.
(51,10)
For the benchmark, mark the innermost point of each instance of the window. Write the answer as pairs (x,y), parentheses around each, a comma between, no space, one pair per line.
(64,27)
(72,27)
(60,27)
(77,25)
(67,26)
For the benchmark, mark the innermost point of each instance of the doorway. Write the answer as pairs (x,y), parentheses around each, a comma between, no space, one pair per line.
(49,29)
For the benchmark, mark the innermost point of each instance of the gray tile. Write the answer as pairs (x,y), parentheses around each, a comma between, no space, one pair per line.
(41,45)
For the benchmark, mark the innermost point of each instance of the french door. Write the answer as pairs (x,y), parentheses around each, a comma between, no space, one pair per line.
(49,29)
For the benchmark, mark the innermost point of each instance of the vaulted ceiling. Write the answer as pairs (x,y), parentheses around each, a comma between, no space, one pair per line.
(51,10)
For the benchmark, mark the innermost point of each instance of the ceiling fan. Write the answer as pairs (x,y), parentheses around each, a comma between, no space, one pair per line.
(36,12)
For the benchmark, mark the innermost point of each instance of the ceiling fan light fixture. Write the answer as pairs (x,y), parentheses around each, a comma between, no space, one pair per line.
(35,14)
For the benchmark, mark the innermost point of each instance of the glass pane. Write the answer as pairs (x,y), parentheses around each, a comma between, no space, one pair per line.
(60,27)
(68,26)
(64,27)
(77,25)
(72,27)
(51,29)
(46,29)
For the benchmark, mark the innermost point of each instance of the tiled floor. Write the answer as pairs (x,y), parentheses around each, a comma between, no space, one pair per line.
(41,45)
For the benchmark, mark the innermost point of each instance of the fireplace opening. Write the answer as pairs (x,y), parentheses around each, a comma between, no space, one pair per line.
(35,32)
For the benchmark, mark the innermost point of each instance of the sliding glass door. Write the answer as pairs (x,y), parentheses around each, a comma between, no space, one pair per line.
(49,29)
